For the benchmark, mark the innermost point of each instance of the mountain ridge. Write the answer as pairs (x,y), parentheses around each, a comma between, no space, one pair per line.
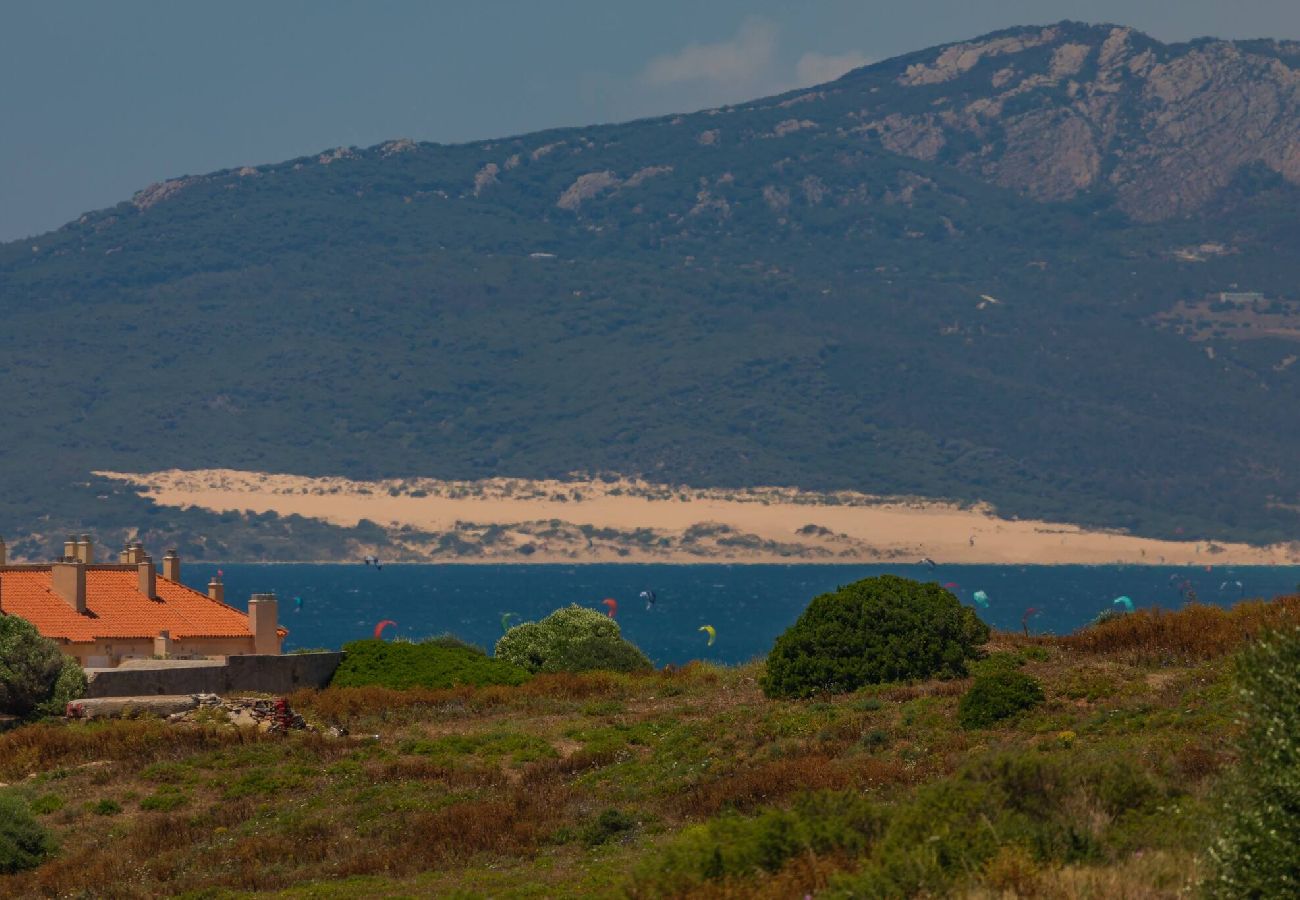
(788,291)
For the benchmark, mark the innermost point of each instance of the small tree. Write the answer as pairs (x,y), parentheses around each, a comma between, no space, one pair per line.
(573,639)
(872,631)
(24,842)
(1256,855)
(35,677)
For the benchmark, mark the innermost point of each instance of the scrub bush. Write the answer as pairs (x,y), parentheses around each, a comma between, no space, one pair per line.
(36,679)
(1256,855)
(572,639)
(731,846)
(432,664)
(995,695)
(872,631)
(24,843)
(608,826)
(1003,814)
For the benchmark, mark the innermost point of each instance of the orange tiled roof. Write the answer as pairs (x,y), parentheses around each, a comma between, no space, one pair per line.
(116,608)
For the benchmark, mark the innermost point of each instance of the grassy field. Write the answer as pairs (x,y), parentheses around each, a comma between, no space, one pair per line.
(685,782)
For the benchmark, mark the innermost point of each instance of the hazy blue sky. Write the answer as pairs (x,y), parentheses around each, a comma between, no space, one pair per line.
(100,99)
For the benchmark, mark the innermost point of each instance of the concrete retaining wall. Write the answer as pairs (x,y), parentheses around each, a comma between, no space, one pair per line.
(261,674)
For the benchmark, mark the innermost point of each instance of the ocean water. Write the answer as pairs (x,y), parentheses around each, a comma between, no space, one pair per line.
(748,605)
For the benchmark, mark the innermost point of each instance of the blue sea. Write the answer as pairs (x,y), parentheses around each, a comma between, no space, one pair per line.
(748,605)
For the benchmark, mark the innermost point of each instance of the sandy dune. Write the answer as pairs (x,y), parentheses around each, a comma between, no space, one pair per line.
(504,520)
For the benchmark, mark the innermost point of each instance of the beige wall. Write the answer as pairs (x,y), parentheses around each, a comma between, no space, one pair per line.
(106,654)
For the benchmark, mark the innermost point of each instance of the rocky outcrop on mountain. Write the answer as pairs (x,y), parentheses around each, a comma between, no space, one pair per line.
(1055,111)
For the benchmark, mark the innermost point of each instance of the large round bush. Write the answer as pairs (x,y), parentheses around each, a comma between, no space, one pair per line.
(872,631)
(573,639)
(996,695)
(24,843)
(35,677)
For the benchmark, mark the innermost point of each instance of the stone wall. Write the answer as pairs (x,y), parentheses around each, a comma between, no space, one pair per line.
(261,674)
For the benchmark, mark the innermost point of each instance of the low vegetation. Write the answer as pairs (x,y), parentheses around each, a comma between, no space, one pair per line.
(690,782)
(997,695)
(24,843)
(1197,631)
(573,639)
(434,663)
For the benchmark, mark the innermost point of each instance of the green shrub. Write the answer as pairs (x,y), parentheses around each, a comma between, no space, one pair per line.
(1025,803)
(997,662)
(491,745)
(46,804)
(452,641)
(572,639)
(434,664)
(24,842)
(70,685)
(164,801)
(610,824)
(1256,855)
(35,678)
(995,695)
(872,631)
(106,807)
(733,846)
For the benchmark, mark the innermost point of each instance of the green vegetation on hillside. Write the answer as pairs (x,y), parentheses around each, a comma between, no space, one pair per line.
(687,782)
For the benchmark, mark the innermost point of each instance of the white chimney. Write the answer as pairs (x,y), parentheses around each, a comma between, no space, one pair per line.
(86,549)
(216,590)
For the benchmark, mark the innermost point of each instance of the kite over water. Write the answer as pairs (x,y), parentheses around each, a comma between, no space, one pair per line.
(649,597)
(379,629)
(612,605)
(711,632)
(1029,614)
(981,598)
(505,620)
(1124,602)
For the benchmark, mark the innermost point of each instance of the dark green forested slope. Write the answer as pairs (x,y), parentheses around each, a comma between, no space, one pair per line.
(756,295)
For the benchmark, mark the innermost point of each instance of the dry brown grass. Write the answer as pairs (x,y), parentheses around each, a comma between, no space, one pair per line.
(353,706)
(1198,631)
(761,784)
(573,764)
(903,692)
(41,747)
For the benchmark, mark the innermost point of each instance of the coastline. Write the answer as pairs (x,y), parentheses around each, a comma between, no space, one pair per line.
(501,520)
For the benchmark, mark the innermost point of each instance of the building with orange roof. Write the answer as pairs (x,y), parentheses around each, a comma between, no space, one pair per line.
(105,613)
